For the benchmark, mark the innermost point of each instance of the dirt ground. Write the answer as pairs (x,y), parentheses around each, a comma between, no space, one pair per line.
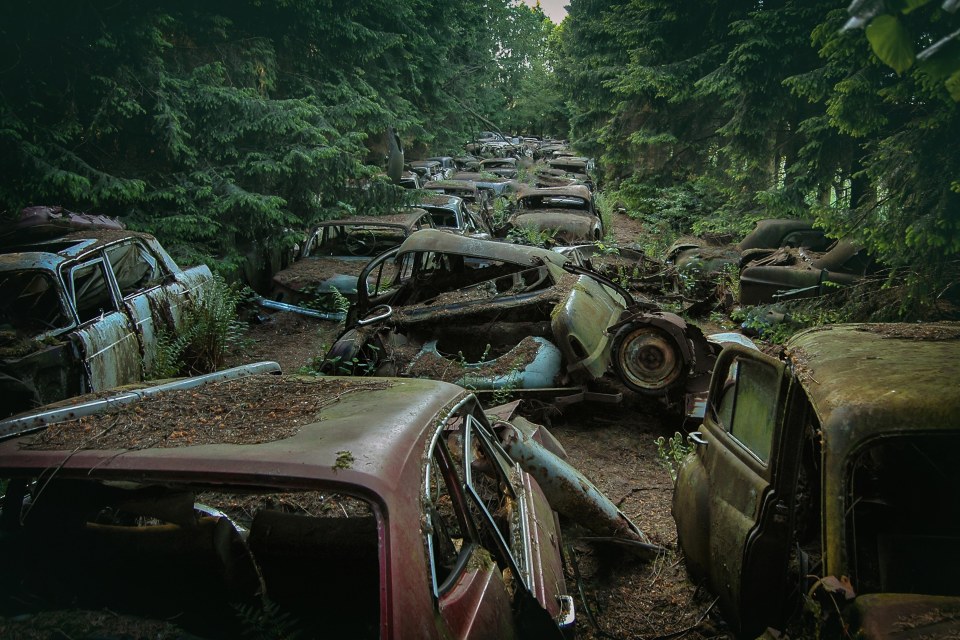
(618,596)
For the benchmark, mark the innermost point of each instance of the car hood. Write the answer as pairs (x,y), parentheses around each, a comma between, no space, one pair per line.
(444,242)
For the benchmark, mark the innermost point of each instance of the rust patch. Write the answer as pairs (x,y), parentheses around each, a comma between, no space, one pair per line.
(251,410)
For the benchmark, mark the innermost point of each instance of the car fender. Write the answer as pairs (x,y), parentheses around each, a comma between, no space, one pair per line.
(690,510)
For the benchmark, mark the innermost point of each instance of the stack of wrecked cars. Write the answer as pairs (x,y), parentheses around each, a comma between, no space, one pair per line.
(327,507)
(494,315)
(829,477)
(82,304)
(336,251)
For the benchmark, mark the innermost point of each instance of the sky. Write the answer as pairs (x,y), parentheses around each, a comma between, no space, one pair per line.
(553,8)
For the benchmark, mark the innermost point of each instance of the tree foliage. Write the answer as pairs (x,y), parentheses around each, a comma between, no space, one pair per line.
(219,125)
(770,109)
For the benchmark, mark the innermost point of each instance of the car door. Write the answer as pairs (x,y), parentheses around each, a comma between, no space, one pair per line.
(106,336)
(153,296)
(746,456)
(478,539)
(140,276)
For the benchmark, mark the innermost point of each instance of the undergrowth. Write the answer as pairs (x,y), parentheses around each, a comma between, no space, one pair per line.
(207,328)
(671,452)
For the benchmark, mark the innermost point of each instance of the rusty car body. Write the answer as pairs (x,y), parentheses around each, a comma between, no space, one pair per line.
(335,252)
(350,508)
(492,315)
(503,167)
(83,311)
(791,274)
(579,167)
(709,256)
(427,169)
(448,165)
(567,213)
(834,469)
(450,212)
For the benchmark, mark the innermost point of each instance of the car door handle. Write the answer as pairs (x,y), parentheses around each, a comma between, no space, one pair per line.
(697,438)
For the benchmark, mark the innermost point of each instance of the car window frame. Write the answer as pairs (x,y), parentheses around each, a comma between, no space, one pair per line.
(164,274)
(70,288)
(475,430)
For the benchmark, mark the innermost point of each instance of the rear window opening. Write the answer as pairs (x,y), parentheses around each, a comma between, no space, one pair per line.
(903,522)
(213,563)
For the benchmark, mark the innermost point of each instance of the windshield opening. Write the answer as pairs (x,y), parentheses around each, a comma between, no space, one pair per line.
(903,516)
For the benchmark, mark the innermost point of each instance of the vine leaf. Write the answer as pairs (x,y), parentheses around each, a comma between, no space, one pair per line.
(891,42)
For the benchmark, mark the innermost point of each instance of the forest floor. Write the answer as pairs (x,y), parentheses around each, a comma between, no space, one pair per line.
(618,596)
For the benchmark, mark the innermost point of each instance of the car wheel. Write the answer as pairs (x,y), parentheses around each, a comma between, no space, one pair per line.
(647,359)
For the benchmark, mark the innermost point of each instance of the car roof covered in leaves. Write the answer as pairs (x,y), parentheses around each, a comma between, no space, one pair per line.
(366,435)
(865,380)
(407,219)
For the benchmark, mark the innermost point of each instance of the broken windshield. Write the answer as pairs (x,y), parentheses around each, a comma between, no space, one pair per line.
(30,303)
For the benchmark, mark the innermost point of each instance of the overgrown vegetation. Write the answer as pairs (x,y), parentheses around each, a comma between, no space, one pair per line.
(708,116)
(209,327)
(225,126)
(671,452)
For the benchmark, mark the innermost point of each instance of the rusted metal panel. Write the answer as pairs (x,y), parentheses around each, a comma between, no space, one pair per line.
(580,328)
(23,424)
(111,352)
(896,616)
(442,242)
(569,492)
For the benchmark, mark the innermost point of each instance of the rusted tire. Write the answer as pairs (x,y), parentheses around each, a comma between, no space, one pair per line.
(647,359)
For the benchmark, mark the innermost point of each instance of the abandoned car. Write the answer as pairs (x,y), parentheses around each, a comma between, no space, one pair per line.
(503,167)
(447,165)
(834,470)
(335,252)
(83,312)
(495,186)
(469,191)
(707,256)
(790,274)
(427,169)
(577,166)
(565,213)
(325,507)
(491,315)
(451,213)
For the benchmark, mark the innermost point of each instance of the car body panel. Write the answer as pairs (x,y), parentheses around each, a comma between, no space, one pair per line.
(863,428)
(327,264)
(588,306)
(566,211)
(808,275)
(779,232)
